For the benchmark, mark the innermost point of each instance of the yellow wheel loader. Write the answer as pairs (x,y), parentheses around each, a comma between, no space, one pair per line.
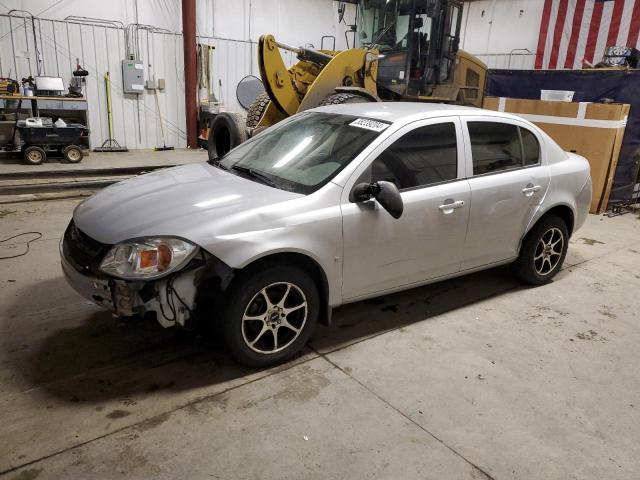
(404,50)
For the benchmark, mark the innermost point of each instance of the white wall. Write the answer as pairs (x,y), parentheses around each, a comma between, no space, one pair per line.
(232,26)
(492,29)
(291,20)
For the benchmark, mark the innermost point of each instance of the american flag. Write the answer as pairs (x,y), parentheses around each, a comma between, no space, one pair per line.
(575,30)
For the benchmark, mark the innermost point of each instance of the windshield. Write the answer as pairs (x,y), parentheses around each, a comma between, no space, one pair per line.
(303,153)
(378,22)
(385,23)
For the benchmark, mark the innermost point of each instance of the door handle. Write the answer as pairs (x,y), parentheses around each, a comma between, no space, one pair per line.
(449,206)
(530,189)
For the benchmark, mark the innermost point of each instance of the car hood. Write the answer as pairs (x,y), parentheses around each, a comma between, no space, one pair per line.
(195,202)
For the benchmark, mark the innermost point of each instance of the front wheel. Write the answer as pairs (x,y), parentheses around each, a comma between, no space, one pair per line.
(257,109)
(543,251)
(270,315)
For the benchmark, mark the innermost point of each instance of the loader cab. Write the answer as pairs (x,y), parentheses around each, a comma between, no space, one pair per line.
(417,41)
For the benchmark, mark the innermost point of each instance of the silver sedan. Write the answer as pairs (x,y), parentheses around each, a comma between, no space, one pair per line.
(333,205)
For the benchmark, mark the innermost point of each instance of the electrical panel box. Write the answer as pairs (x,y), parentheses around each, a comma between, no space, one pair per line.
(133,76)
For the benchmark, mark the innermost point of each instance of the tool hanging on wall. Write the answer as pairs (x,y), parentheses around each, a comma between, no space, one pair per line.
(110,144)
(77,81)
(204,60)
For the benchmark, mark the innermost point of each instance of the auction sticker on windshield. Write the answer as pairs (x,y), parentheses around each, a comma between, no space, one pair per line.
(369,124)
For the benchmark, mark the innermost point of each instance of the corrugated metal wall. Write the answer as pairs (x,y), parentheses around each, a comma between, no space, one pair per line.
(100,49)
(513,60)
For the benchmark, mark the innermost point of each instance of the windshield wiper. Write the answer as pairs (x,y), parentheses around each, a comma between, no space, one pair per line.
(217,162)
(254,174)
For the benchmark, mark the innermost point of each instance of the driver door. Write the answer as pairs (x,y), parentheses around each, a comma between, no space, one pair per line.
(426,162)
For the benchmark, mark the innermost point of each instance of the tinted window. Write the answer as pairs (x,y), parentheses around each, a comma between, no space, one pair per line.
(494,147)
(530,147)
(422,157)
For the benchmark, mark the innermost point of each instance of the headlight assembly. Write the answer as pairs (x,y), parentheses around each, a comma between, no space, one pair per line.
(147,258)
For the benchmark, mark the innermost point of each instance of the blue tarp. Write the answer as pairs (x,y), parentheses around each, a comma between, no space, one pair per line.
(589,86)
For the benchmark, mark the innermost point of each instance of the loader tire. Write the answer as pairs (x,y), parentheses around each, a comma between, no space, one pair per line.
(257,109)
(227,132)
(339,98)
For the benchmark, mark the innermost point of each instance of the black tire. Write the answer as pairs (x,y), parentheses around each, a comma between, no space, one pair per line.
(257,109)
(340,98)
(72,154)
(246,296)
(34,155)
(532,265)
(227,131)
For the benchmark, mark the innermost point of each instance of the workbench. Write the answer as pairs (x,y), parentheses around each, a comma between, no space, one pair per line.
(70,109)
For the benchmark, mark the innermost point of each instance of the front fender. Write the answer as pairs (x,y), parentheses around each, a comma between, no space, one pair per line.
(319,248)
(311,226)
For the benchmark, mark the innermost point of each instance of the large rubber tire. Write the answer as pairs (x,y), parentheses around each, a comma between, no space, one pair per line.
(227,131)
(246,294)
(340,98)
(257,109)
(528,265)
(34,155)
(72,154)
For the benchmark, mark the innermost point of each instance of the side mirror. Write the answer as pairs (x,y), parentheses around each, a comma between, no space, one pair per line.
(386,193)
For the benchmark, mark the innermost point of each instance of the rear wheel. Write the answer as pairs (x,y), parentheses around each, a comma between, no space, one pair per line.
(270,315)
(543,251)
(72,154)
(339,98)
(34,155)
(257,109)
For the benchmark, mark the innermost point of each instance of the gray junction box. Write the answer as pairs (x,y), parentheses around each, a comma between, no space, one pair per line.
(132,76)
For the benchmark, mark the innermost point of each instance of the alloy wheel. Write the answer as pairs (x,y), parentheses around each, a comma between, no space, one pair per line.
(548,251)
(274,317)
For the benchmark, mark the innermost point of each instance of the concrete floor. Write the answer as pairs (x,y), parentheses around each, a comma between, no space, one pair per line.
(477,377)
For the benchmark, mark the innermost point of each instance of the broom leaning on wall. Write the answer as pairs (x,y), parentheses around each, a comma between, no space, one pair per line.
(110,144)
(164,143)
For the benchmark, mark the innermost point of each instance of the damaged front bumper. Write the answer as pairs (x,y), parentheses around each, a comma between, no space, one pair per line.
(174,299)
(124,298)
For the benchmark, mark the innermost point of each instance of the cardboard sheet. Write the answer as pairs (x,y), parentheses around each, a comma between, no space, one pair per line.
(593,130)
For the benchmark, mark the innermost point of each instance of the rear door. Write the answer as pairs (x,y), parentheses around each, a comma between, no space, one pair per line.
(508,178)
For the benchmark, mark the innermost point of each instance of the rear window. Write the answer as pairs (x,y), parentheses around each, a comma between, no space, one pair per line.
(530,147)
(499,146)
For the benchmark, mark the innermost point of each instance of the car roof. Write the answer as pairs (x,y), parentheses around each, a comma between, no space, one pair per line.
(403,111)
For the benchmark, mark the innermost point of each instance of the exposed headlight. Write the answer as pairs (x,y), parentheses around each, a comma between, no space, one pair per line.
(147,258)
